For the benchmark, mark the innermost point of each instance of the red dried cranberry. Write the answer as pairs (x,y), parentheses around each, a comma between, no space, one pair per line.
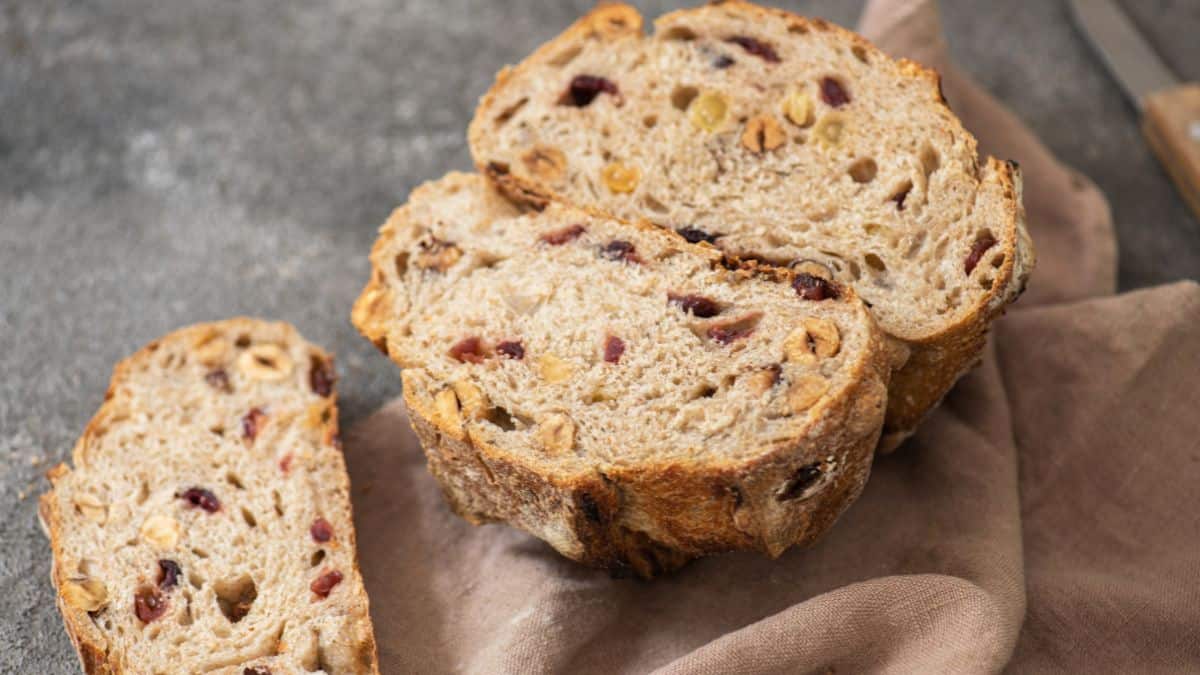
(804,478)
(149,604)
(256,670)
(726,332)
(697,305)
(285,464)
(252,422)
(512,349)
(468,350)
(321,376)
(560,237)
(585,88)
(812,287)
(323,584)
(321,530)
(168,574)
(218,380)
(198,497)
(980,247)
(696,235)
(833,93)
(760,49)
(620,250)
(614,347)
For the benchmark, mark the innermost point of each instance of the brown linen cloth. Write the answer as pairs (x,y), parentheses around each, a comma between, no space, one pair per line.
(1047,516)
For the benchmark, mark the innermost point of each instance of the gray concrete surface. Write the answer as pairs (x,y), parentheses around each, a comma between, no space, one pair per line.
(169,162)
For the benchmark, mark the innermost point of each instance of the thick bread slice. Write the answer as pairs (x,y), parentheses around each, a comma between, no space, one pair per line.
(206,525)
(615,390)
(783,139)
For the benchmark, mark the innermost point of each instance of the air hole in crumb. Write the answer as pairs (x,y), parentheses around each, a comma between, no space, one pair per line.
(986,283)
(797,29)
(900,194)
(855,270)
(242,341)
(234,480)
(930,160)
(249,517)
(940,283)
(706,392)
(998,261)
(682,97)
(401,263)
(650,121)
(218,430)
(679,33)
(316,558)
(501,418)
(875,262)
(235,596)
(507,114)
(654,205)
(918,241)
(566,56)
(143,493)
(278,503)
(864,170)
(860,53)
(195,580)
(199,553)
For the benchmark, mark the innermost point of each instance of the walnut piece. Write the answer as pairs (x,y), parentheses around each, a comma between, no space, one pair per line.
(816,338)
(762,133)
(471,399)
(554,369)
(93,509)
(557,433)
(161,532)
(87,595)
(265,362)
(446,414)
(805,391)
(545,162)
(437,255)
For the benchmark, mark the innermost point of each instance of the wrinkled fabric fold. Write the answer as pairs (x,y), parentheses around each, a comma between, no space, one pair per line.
(1046,517)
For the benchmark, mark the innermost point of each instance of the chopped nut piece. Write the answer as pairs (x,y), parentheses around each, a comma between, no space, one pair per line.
(708,111)
(546,163)
(823,336)
(437,255)
(266,362)
(621,178)
(87,595)
(445,410)
(471,399)
(93,509)
(830,129)
(210,349)
(813,269)
(161,532)
(557,433)
(762,381)
(554,369)
(762,133)
(806,391)
(798,349)
(798,108)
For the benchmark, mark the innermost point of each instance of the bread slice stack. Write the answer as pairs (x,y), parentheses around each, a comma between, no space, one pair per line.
(705,272)
(206,523)
(780,139)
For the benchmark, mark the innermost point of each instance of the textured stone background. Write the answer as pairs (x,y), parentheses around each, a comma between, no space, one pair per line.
(169,162)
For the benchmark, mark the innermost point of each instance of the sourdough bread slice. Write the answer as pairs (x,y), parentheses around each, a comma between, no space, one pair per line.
(206,525)
(783,139)
(622,394)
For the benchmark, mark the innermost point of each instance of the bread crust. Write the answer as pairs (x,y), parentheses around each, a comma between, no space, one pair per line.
(938,358)
(95,656)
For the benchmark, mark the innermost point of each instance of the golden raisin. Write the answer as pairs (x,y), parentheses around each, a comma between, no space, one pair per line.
(830,129)
(708,111)
(621,178)
(798,108)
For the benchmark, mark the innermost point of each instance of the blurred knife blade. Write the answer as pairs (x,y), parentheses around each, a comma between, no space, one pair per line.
(1126,53)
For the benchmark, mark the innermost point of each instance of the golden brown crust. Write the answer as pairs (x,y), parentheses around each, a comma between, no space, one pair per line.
(90,643)
(939,358)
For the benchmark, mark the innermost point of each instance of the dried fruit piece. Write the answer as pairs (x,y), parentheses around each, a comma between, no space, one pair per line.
(321,376)
(833,92)
(161,532)
(584,89)
(725,332)
(323,585)
(265,362)
(695,235)
(554,369)
(812,287)
(218,379)
(198,497)
(557,433)
(149,604)
(805,391)
(708,111)
(621,251)
(614,347)
(697,305)
(798,108)
(564,235)
(256,670)
(621,178)
(468,350)
(320,530)
(545,162)
(758,48)
(830,129)
(87,595)
(901,195)
(90,507)
(762,133)
(722,61)
(511,349)
(471,399)
(252,423)
(437,255)
(168,574)
(445,411)
(981,246)
(798,484)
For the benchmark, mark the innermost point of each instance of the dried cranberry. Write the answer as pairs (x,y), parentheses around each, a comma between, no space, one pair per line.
(218,380)
(614,347)
(696,235)
(149,604)
(562,236)
(256,670)
(726,332)
(323,584)
(321,530)
(251,423)
(804,478)
(468,350)
(980,247)
(512,349)
(833,93)
(812,287)
(722,62)
(285,464)
(620,250)
(697,305)
(321,376)
(198,497)
(760,49)
(168,574)
(585,88)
